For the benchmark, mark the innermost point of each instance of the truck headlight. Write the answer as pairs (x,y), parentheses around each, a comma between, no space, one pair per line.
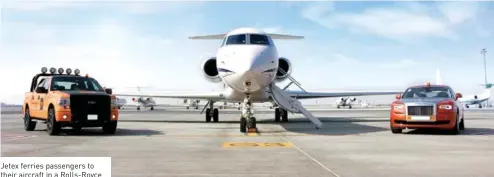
(64,102)
(445,107)
(113,102)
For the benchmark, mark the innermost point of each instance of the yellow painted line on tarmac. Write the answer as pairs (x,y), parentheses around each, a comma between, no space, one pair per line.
(257,144)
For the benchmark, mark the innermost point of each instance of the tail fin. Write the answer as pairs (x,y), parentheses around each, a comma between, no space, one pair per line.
(439,80)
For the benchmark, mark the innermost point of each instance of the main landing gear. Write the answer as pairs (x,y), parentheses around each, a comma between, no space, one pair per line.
(212,112)
(247,121)
(280,113)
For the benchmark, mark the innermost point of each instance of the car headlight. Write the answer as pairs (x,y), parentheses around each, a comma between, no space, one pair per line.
(64,102)
(114,102)
(399,107)
(445,107)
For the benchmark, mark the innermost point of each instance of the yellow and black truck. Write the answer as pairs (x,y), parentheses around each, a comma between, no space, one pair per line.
(62,99)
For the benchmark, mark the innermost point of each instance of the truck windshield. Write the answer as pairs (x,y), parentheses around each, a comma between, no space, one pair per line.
(75,83)
(427,92)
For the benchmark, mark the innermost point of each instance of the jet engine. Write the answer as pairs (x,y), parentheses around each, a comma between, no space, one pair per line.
(353,99)
(475,97)
(210,70)
(285,65)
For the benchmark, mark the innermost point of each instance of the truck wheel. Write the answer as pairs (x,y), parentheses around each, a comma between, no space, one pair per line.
(52,126)
(110,127)
(29,124)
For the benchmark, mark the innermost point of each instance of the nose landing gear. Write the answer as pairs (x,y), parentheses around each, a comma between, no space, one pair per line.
(247,120)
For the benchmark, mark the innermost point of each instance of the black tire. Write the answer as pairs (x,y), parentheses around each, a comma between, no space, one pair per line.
(215,115)
(152,108)
(187,107)
(29,124)
(138,108)
(208,115)
(349,107)
(243,125)
(284,118)
(110,127)
(252,122)
(456,128)
(462,124)
(395,130)
(52,126)
(277,115)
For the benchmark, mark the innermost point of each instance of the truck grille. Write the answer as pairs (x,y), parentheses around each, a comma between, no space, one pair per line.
(82,105)
(420,110)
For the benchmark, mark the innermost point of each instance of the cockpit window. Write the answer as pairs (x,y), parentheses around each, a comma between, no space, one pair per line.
(259,39)
(236,39)
(428,92)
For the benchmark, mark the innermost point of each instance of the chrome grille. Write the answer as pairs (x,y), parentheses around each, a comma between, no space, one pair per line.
(420,110)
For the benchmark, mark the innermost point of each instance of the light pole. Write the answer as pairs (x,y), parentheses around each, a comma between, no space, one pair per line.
(483,52)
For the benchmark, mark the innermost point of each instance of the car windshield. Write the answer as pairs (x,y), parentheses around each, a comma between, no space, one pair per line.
(427,92)
(75,83)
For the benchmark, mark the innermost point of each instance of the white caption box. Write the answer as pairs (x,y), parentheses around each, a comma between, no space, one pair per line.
(55,166)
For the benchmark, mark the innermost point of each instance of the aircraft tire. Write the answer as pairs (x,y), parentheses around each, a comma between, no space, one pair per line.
(252,122)
(277,115)
(208,115)
(215,115)
(243,125)
(284,118)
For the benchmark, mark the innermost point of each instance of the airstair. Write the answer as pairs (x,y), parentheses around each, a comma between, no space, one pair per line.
(285,101)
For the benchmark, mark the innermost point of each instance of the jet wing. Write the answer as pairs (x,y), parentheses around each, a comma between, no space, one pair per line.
(308,95)
(213,95)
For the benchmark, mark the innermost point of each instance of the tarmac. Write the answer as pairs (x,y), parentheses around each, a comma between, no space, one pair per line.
(351,143)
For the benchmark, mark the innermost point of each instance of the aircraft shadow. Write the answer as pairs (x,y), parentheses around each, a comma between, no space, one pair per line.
(467,132)
(332,125)
(98,132)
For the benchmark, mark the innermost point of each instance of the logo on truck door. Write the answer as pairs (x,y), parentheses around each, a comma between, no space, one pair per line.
(41,103)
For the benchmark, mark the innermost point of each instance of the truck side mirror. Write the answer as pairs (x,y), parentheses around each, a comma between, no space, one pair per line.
(108,90)
(41,90)
(398,96)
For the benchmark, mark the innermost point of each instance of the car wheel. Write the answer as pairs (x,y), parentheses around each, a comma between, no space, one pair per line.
(456,128)
(29,124)
(52,126)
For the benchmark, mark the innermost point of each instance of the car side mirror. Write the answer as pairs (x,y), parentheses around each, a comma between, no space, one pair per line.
(458,95)
(398,96)
(41,90)
(109,91)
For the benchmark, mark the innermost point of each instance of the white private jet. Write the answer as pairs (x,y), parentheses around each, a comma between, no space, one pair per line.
(345,101)
(468,100)
(247,62)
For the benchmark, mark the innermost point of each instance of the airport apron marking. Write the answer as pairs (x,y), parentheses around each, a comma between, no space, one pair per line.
(257,144)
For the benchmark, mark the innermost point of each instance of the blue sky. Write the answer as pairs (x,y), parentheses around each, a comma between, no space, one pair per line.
(348,45)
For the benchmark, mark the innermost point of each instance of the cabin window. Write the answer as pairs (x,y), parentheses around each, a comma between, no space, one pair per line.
(259,39)
(236,39)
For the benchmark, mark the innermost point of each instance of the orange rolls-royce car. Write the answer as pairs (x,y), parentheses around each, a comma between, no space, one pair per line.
(427,106)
